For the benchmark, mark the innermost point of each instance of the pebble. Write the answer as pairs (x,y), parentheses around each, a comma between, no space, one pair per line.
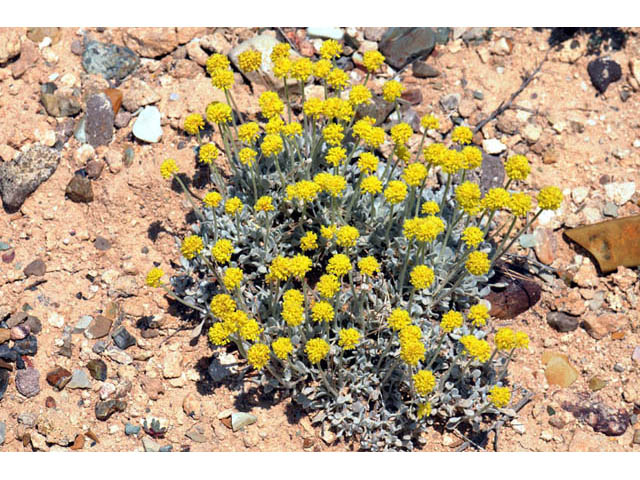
(619,368)
(151,42)
(5,335)
(150,445)
(450,102)
(60,105)
(4,381)
(50,402)
(147,126)
(37,268)
(122,119)
(610,210)
(3,431)
(562,322)
(325,32)
(107,408)
(240,420)
(596,383)
(79,380)
(191,406)
(599,326)
(579,194)
(79,189)
(493,146)
(98,369)
(122,338)
(172,366)
(56,320)
(217,370)
(558,370)
(424,70)
(620,193)
(117,355)
(18,333)
(98,328)
(94,168)
(139,94)
(102,244)
(107,390)
(636,437)
(130,429)
(401,45)
(603,72)
(528,240)
(109,60)
(58,378)
(28,382)
(99,120)
(82,324)
(196,433)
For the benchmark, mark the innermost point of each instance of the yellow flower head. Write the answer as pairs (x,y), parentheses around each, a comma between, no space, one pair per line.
(305,190)
(258,355)
(368,266)
(522,340)
(270,104)
(423,229)
(313,107)
(452,161)
(281,50)
(279,269)
(472,236)
(222,306)
(520,204)
(398,319)
(222,79)
(316,349)
(333,133)
(374,137)
(462,135)
(334,107)
(293,296)
(402,152)
(422,277)
(208,153)
(337,79)
(414,174)
(424,410)
(282,347)
(292,129)
(472,156)
(392,90)
(322,312)
(349,338)
(264,204)
(299,266)
(550,198)
(478,263)
(517,167)
(250,330)
(247,156)
(478,349)
(478,314)
(309,241)
(233,206)
(412,352)
(293,313)
(322,68)
(395,192)
(430,208)
(505,339)
(217,61)
(401,133)
(222,251)
(153,277)
(272,145)
(371,185)
(339,265)
(248,132)
(328,232)
(336,155)
(435,153)
(193,123)
(274,125)
(372,60)
(347,236)
(496,199)
(424,381)
(301,69)
(282,67)
(468,197)
(219,334)
(232,278)
(168,168)
(359,95)
(249,60)
(409,333)
(330,49)
(218,113)
(333,184)
(191,246)
(451,320)
(368,163)
(429,122)
(328,285)
(499,396)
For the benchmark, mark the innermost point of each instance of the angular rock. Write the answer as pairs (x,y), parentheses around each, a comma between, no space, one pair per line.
(620,193)
(138,94)
(115,97)
(60,105)
(20,177)
(150,445)
(599,326)
(26,346)
(600,417)
(56,427)
(105,409)
(17,333)
(450,102)
(635,356)
(109,60)
(4,382)
(79,189)
(94,168)
(118,356)
(558,370)
(98,369)
(38,34)
(562,322)
(197,434)
(241,419)
(102,244)
(603,72)
(151,42)
(99,120)
(172,366)
(334,33)
(217,371)
(58,378)
(37,268)
(5,335)
(79,380)
(191,406)
(596,383)
(8,354)
(28,382)
(378,108)
(152,387)
(401,45)
(10,44)
(29,56)
(3,430)
(122,338)
(98,328)
(493,146)
(147,126)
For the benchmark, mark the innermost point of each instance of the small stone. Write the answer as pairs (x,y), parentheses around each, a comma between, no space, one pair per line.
(107,408)
(217,371)
(558,370)
(98,369)
(596,383)
(98,328)
(9,256)
(56,320)
(240,420)
(3,431)
(99,120)
(147,126)
(599,326)
(79,380)
(557,421)
(5,335)
(493,146)
(26,346)
(102,244)
(528,240)
(58,378)
(122,338)
(79,189)
(618,368)
(152,387)
(374,33)
(4,381)
(76,47)
(94,168)
(172,366)
(109,60)
(603,72)
(518,426)
(562,322)
(138,94)
(466,108)
(196,433)
(33,324)
(401,45)
(37,268)
(82,324)
(620,193)
(60,105)
(10,44)
(122,119)
(424,70)
(579,194)
(28,382)
(115,97)
(191,406)
(150,445)
(610,210)
(325,32)
(151,42)
(50,402)
(107,390)
(450,102)
(18,333)
(130,429)
(118,356)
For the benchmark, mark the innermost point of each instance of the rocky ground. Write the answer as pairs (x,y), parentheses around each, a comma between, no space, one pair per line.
(92,360)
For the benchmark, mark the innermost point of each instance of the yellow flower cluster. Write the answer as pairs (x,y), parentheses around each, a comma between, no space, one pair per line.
(335,156)
(299,266)
(322,68)
(247,156)
(222,79)
(212,199)
(313,107)
(328,285)
(412,352)
(409,333)
(233,206)
(328,232)
(333,133)
(270,104)
(368,266)
(282,67)
(309,241)
(368,163)
(217,61)
(305,191)
(335,107)
(322,312)
(338,79)
(517,167)
(478,263)
(391,90)
(414,174)
(301,69)
(424,410)
(519,204)
(395,192)
(264,204)
(218,113)
(258,355)
(478,314)
(371,185)
(430,208)
(271,145)
(332,184)
(372,60)
(222,251)
(451,320)
(274,125)
(401,133)
(461,135)
(468,197)
(359,95)
(293,308)
(330,49)
(499,396)
(429,122)
(292,129)
(550,198)
(193,123)
(398,319)
(423,229)
(153,277)
(232,278)
(316,350)
(472,236)
(347,236)
(478,349)
(339,265)
(248,132)
(282,347)
(496,199)
(348,338)
(422,277)
(281,50)
(168,168)
(424,382)
(472,156)
(222,306)
(208,153)
(249,60)
(191,246)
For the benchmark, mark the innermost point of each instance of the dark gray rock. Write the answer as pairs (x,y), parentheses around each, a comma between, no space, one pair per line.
(122,338)
(3,429)
(4,383)
(401,45)
(562,322)
(34,324)
(107,408)
(8,354)
(20,177)
(99,120)
(102,244)
(442,35)
(99,347)
(97,369)
(28,382)
(109,60)
(130,429)
(603,72)
(217,371)
(37,268)
(424,70)
(26,346)
(76,47)
(492,172)
(79,189)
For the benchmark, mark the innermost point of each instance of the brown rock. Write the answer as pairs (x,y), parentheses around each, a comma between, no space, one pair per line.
(191,406)
(152,387)
(571,302)
(466,107)
(50,402)
(546,245)
(37,34)
(599,326)
(186,34)
(151,42)
(184,68)
(94,168)
(37,268)
(413,96)
(29,56)
(558,370)
(5,335)
(79,189)
(78,443)
(10,44)
(98,328)
(115,97)
(138,94)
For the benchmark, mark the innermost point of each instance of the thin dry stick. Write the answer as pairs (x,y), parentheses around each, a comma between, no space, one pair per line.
(504,106)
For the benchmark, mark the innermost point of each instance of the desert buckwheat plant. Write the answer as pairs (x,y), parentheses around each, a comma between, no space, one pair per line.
(344,276)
